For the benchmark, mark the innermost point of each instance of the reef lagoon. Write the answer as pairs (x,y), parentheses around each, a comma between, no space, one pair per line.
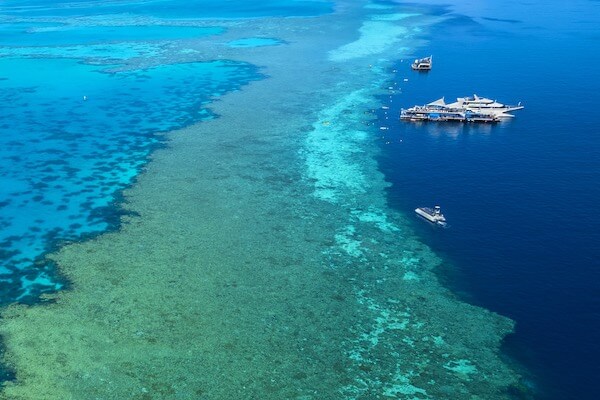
(195,203)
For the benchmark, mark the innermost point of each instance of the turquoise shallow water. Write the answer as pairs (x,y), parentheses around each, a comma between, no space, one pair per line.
(170,8)
(73,135)
(345,298)
(81,114)
(39,34)
(79,125)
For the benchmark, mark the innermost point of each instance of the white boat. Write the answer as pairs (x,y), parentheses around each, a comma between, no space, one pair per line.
(465,109)
(476,103)
(422,64)
(441,112)
(432,214)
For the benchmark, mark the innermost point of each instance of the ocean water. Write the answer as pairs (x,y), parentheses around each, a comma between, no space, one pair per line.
(253,42)
(87,100)
(84,104)
(40,34)
(520,196)
(169,9)
(258,248)
(72,136)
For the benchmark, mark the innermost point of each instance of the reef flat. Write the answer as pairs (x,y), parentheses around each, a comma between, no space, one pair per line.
(260,260)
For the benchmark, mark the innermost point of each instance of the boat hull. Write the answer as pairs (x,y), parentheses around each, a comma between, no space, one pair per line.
(421,67)
(430,215)
(447,116)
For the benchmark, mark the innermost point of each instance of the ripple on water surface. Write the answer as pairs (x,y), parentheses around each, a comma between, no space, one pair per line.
(74,134)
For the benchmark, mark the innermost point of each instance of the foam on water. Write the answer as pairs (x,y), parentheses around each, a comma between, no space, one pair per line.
(110,52)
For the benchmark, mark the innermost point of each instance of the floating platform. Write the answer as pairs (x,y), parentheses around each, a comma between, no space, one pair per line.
(465,109)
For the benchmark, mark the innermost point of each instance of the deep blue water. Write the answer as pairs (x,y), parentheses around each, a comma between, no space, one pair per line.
(521,196)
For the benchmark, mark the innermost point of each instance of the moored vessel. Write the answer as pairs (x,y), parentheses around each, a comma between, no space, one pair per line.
(433,215)
(466,109)
(440,111)
(422,64)
(482,103)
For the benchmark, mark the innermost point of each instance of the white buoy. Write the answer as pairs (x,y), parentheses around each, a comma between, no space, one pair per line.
(84,98)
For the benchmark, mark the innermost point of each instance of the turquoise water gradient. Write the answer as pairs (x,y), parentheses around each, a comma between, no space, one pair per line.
(35,34)
(171,8)
(80,115)
(72,135)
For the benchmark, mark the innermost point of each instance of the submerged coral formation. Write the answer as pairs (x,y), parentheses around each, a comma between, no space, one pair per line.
(260,260)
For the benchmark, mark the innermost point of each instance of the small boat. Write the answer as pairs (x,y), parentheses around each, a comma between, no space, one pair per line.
(432,214)
(422,64)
